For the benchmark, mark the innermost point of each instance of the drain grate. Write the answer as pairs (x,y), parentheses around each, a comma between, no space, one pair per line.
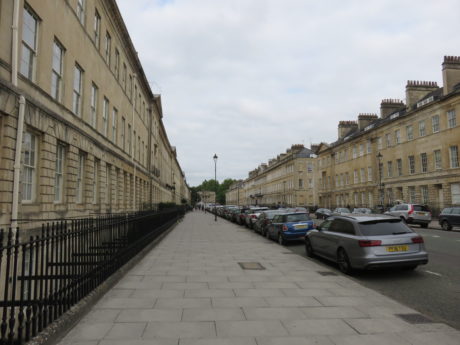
(327,273)
(251,266)
(414,318)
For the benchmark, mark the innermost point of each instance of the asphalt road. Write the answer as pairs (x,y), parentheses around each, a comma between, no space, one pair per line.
(432,289)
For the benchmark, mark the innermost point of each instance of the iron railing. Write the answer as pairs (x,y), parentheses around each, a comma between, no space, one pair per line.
(42,276)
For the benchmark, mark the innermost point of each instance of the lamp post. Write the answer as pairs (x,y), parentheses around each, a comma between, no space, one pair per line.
(215,179)
(381,195)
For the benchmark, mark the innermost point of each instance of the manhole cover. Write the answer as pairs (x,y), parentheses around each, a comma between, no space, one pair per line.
(414,318)
(327,273)
(251,266)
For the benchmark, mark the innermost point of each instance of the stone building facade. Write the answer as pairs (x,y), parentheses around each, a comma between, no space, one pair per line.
(288,179)
(93,140)
(408,153)
(235,194)
(207,197)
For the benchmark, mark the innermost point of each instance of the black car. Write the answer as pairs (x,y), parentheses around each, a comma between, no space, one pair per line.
(449,218)
(322,213)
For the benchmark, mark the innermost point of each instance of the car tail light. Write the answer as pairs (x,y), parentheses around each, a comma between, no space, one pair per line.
(253,216)
(285,228)
(418,239)
(369,243)
(411,210)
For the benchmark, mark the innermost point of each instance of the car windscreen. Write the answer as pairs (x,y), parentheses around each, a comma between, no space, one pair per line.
(298,217)
(271,215)
(421,208)
(382,228)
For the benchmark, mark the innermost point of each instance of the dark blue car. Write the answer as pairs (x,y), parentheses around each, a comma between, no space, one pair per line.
(290,227)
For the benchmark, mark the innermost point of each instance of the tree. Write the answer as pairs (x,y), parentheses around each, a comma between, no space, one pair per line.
(213,186)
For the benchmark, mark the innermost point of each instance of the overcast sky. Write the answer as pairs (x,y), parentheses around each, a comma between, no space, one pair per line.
(246,79)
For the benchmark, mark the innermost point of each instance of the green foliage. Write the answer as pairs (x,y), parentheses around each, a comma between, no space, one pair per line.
(212,185)
(164,205)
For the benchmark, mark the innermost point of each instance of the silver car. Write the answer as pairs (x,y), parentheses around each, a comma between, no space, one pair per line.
(412,214)
(366,242)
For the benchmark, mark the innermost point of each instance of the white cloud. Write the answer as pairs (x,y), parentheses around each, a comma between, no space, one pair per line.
(246,79)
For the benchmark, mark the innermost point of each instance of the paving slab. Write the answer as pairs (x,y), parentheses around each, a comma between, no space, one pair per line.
(191,290)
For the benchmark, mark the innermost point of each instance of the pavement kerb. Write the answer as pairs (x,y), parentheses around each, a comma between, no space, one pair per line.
(57,330)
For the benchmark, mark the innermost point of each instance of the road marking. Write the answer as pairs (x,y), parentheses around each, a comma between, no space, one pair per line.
(435,236)
(434,273)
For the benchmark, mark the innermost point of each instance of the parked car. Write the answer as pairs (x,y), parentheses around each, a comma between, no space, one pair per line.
(252,216)
(322,213)
(265,220)
(449,217)
(341,211)
(362,210)
(412,214)
(366,242)
(289,227)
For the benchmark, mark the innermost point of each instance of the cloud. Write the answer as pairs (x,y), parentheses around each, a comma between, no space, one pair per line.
(246,79)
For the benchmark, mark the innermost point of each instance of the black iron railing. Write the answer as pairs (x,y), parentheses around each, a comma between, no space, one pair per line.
(42,276)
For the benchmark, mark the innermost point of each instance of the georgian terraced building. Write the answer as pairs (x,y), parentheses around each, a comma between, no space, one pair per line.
(81,130)
(288,179)
(409,153)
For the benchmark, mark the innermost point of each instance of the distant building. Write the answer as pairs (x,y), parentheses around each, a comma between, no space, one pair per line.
(73,88)
(207,197)
(410,152)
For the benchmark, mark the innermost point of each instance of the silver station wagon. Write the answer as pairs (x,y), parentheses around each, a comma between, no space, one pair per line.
(366,242)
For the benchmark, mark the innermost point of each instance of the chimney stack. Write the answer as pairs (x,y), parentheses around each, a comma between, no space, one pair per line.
(366,119)
(416,90)
(450,73)
(389,106)
(346,127)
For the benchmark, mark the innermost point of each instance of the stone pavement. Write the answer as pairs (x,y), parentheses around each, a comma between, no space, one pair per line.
(191,290)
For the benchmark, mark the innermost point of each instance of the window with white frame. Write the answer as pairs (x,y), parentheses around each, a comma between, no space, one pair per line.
(451,119)
(80,177)
(123,76)
(361,150)
(369,174)
(397,136)
(29,167)
(97,29)
(399,166)
(379,143)
(81,11)
(355,176)
(129,139)
(347,178)
(114,124)
(371,199)
(424,194)
(435,123)
(95,181)
(424,162)
(410,132)
(29,43)
(77,90)
(411,191)
(116,67)
(59,173)
(363,175)
(388,139)
(369,146)
(122,136)
(437,159)
(390,169)
(105,116)
(108,47)
(453,153)
(355,151)
(93,105)
(411,160)
(421,128)
(56,70)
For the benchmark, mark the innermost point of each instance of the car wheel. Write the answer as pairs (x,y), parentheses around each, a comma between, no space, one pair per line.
(281,240)
(309,248)
(446,226)
(344,262)
(403,220)
(267,235)
(424,226)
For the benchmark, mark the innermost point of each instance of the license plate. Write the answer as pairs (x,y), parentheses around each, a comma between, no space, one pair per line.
(392,249)
(421,213)
(301,226)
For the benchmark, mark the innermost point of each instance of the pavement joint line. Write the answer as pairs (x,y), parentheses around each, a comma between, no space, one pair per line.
(434,273)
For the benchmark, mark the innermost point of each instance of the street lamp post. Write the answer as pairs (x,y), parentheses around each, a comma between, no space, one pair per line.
(381,194)
(215,179)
